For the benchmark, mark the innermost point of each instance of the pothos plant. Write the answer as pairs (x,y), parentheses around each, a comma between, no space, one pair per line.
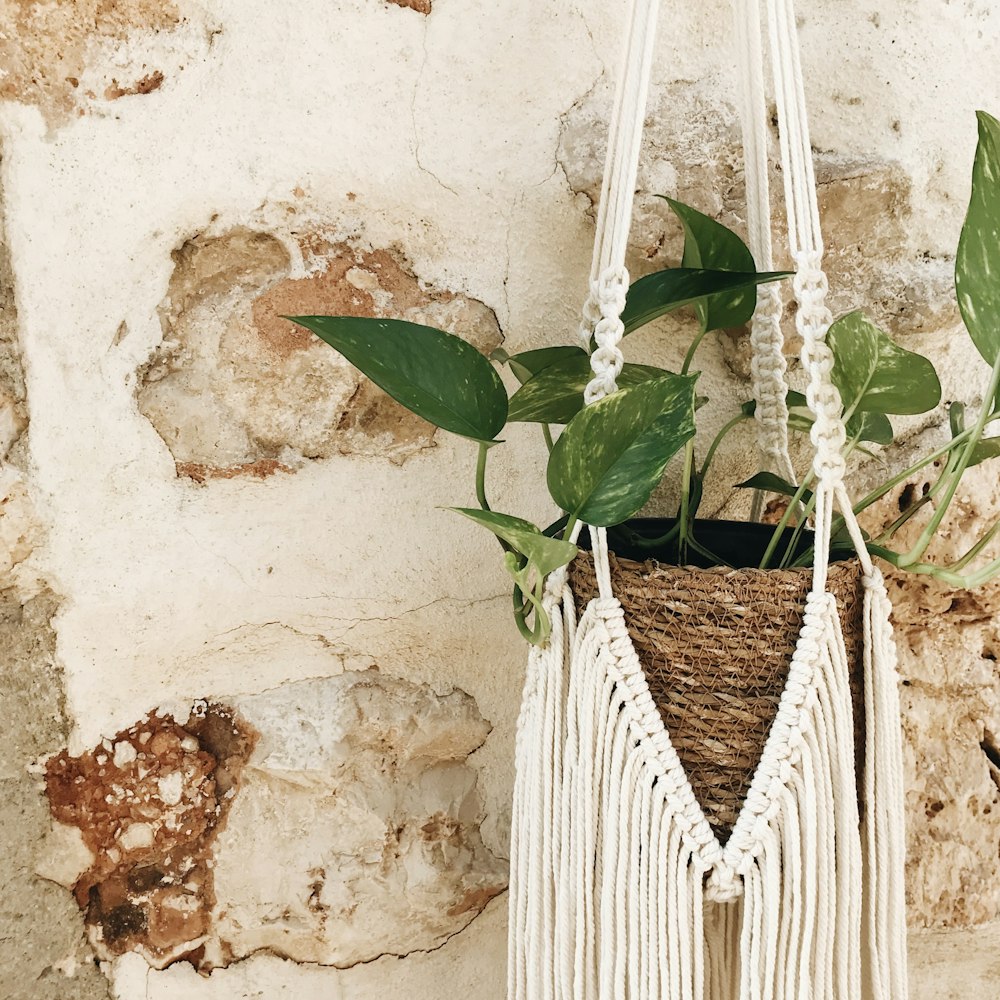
(605,460)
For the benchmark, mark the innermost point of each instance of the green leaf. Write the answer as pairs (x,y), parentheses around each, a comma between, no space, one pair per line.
(544,553)
(770,483)
(977,262)
(663,291)
(873,374)
(984,450)
(530,363)
(710,244)
(956,418)
(612,454)
(555,394)
(873,427)
(436,375)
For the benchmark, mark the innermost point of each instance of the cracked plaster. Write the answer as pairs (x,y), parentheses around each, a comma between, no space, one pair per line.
(439,136)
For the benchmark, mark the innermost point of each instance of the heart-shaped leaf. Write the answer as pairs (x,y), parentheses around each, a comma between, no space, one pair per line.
(977,262)
(612,454)
(873,427)
(544,553)
(873,374)
(436,375)
(664,291)
(530,363)
(555,394)
(710,244)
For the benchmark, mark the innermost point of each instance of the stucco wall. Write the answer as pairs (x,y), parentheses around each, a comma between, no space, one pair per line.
(223,552)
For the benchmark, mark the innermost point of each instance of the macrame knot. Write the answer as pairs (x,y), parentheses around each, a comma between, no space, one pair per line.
(723,885)
(609,291)
(591,317)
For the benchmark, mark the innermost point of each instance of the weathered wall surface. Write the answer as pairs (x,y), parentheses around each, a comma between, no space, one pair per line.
(229,603)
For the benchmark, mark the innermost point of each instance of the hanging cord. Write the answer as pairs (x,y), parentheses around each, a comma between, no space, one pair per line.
(813,318)
(768,365)
(609,278)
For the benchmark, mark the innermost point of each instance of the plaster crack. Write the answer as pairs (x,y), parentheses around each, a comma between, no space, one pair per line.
(390,619)
(413,116)
(352,623)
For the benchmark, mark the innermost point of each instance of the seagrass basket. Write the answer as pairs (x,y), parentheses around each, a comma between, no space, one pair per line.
(715,646)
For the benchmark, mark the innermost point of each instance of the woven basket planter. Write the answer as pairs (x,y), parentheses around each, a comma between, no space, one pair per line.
(715,645)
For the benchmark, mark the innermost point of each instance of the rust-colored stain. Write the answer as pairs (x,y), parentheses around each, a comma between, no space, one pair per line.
(146,85)
(261,469)
(421,6)
(354,283)
(45,49)
(149,803)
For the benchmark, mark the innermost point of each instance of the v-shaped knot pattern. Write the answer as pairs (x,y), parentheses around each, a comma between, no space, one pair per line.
(715,648)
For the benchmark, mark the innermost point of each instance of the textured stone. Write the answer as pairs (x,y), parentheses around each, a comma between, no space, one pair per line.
(438,136)
(692,152)
(239,390)
(64,55)
(352,832)
(148,804)
(13,399)
(948,643)
(43,952)
(356,833)
(954,965)
(470,964)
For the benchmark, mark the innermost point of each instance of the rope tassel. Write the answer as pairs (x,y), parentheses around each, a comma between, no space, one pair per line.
(621,889)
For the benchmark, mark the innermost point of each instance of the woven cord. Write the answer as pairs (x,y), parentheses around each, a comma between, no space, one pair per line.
(609,278)
(768,365)
(813,318)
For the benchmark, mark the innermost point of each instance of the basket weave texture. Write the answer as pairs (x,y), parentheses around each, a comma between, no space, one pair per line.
(715,646)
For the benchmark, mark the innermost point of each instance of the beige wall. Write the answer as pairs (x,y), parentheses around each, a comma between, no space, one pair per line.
(210,522)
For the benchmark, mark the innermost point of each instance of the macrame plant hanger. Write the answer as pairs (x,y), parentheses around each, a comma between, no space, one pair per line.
(620,888)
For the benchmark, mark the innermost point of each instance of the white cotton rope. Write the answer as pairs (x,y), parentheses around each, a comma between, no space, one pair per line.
(620,889)
(767,364)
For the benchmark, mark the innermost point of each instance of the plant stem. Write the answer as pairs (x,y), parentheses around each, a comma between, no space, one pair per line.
(967,581)
(652,543)
(481,476)
(570,525)
(685,509)
(960,564)
(779,529)
(930,529)
(689,357)
(800,524)
(901,477)
(714,447)
(547,434)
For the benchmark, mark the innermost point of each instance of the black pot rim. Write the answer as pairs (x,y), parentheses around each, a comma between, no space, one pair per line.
(740,544)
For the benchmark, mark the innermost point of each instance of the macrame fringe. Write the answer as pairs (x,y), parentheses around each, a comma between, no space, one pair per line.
(620,889)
